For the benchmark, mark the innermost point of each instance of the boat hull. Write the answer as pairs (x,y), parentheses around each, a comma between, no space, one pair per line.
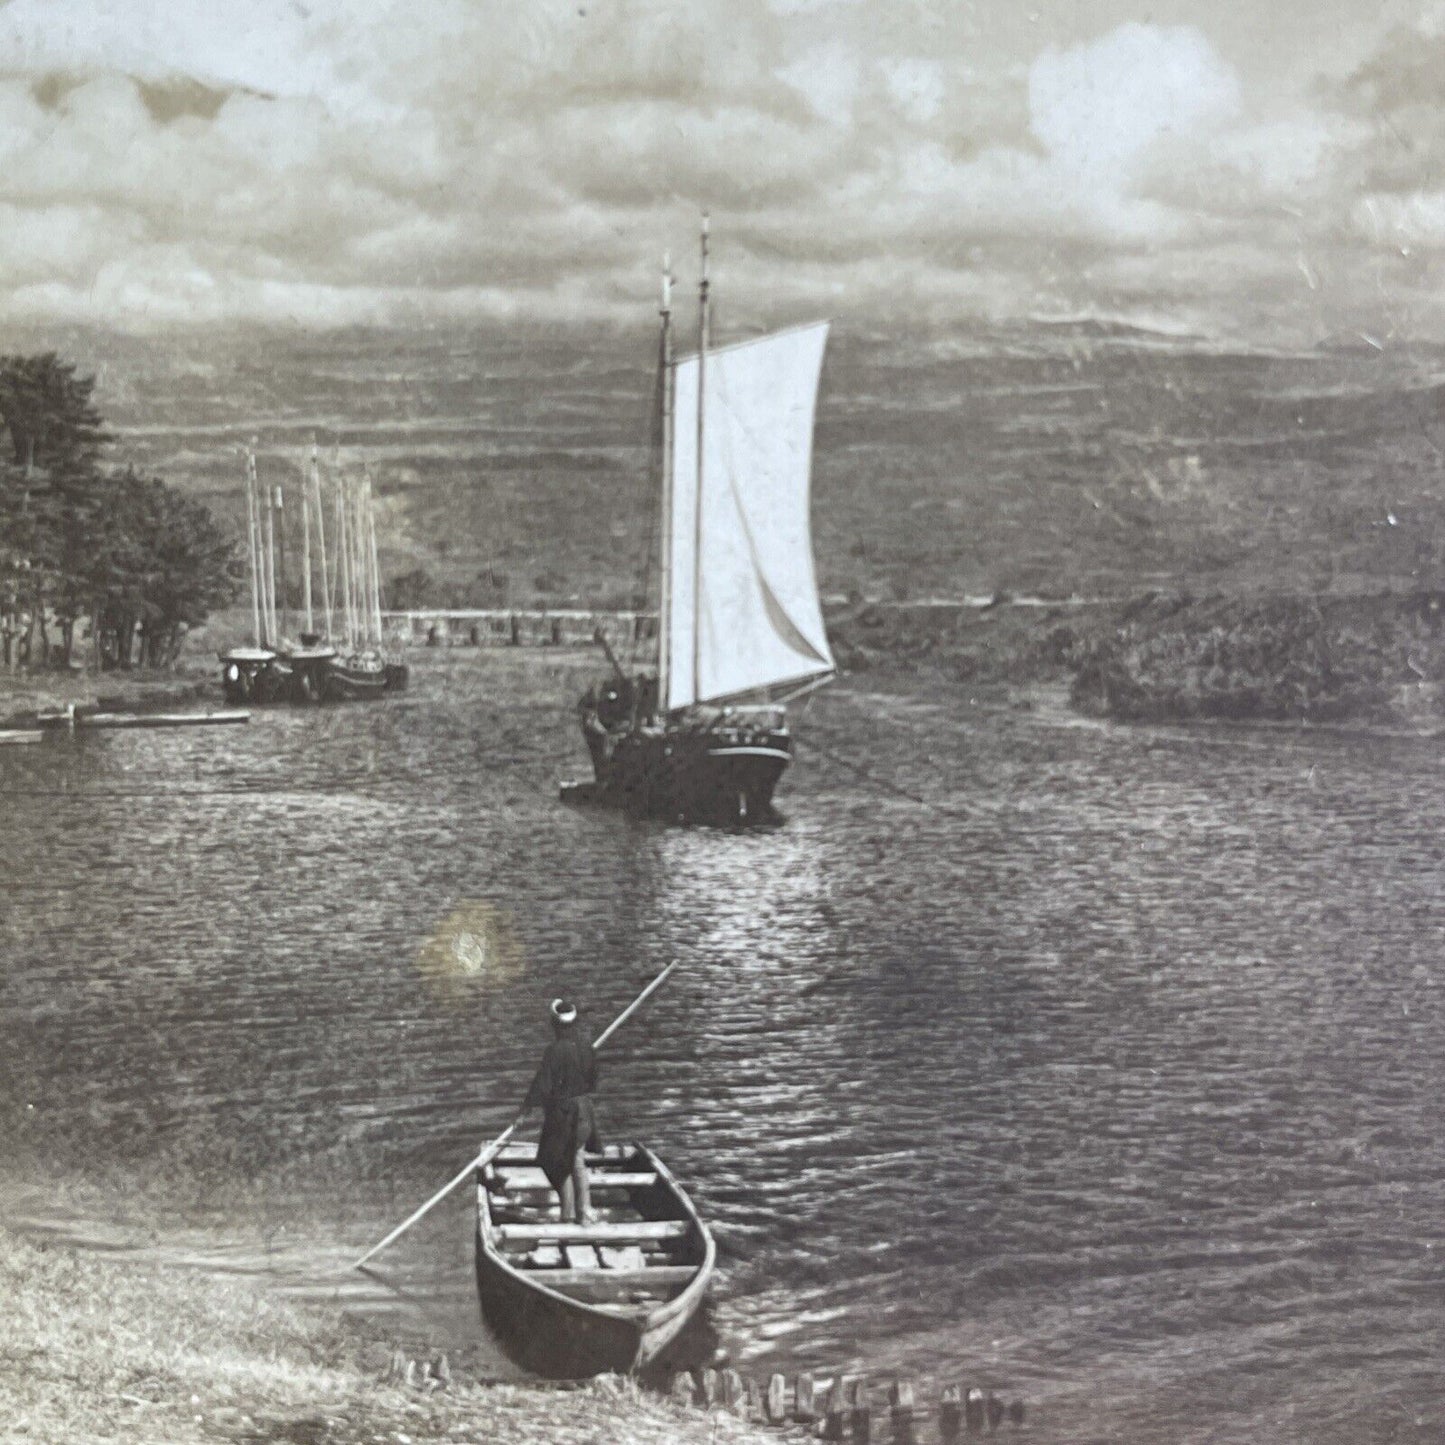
(550,1334)
(250,676)
(558,1338)
(348,681)
(725,774)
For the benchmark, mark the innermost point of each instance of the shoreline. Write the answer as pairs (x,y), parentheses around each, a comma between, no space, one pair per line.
(154,1355)
(1365,660)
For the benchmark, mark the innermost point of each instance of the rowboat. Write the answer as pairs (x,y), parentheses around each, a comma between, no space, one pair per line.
(574,1300)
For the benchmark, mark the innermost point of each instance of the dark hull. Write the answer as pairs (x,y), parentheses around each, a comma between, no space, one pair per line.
(723,774)
(246,680)
(550,1334)
(306,678)
(344,683)
(553,1337)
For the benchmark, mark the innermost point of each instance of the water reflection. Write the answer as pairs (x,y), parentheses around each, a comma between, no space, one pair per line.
(1117,1074)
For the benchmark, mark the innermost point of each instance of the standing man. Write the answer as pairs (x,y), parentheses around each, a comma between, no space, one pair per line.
(563,1089)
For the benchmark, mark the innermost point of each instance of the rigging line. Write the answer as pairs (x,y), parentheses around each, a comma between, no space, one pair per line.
(886,784)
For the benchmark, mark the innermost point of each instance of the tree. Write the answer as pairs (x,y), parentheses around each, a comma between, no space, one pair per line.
(164,566)
(76,538)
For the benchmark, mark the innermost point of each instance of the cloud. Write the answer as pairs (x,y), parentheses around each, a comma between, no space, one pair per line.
(364,160)
(1098,108)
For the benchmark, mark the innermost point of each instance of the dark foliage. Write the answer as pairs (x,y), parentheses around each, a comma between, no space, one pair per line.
(78,539)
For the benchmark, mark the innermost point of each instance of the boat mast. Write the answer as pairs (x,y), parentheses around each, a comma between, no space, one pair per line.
(697,501)
(343,548)
(281,557)
(306,558)
(268,561)
(375,567)
(361,573)
(253,547)
(321,536)
(664,610)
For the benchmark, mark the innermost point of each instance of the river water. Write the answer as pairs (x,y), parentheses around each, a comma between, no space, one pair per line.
(1109,1080)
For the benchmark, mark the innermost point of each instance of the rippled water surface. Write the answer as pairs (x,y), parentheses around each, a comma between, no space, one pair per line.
(1112,1081)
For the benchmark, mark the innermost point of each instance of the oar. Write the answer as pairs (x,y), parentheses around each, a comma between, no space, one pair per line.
(495,1147)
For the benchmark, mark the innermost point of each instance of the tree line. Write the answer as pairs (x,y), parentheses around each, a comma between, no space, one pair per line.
(83,538)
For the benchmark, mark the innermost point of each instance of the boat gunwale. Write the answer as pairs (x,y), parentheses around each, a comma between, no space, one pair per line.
(645,1321)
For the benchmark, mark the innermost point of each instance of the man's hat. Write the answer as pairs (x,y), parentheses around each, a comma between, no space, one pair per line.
(564,1012)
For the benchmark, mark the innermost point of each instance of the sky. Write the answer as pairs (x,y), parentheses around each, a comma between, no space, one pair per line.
(1231,168)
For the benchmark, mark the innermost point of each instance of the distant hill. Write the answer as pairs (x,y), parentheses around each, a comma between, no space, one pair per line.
(1078,454)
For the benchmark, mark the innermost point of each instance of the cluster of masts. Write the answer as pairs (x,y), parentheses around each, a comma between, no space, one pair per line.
(350,593)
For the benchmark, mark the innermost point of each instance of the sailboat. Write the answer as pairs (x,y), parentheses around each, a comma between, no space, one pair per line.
(259,673)
(741,631)
(315,668)
(357,670)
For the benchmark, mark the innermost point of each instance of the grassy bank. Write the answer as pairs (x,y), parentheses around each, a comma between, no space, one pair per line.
(1003,641)
(1311,658)
(96,1350)
(1376,659)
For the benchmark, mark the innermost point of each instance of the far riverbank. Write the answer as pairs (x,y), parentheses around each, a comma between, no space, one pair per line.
(1371,659)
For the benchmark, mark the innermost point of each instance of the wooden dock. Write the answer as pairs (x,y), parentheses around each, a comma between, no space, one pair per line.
(161,719)
(75,717)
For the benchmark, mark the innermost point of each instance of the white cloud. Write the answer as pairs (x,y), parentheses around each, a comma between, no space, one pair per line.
(1402,221)
(828,77)
(917,86)
(1097,108)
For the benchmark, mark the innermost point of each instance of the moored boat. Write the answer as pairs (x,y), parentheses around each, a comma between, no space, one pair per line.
(254,674)
(573,1300)
(315,669)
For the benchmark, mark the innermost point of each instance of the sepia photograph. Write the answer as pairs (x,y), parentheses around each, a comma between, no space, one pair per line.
(719,722)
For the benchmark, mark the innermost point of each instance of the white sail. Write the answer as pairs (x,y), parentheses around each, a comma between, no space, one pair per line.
(743,610)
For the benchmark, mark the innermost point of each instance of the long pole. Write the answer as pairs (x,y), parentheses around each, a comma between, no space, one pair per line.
(664,606)
(495,1147)
(697,500)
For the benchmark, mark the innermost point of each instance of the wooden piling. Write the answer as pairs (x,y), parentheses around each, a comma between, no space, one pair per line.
(681,1390)
(805,1406)
(900,1411)
(973,1412)
(734,1393)
(754,1400)
(1016,1412)
(707,1388)
(833,1412)
(860,1411)
(994,1409)
(950,1414)
(776,1404)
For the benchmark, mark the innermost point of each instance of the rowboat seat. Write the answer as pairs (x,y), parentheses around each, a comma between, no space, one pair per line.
(638,1231)
(581,1256)
(625,1256)
(524,1179)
